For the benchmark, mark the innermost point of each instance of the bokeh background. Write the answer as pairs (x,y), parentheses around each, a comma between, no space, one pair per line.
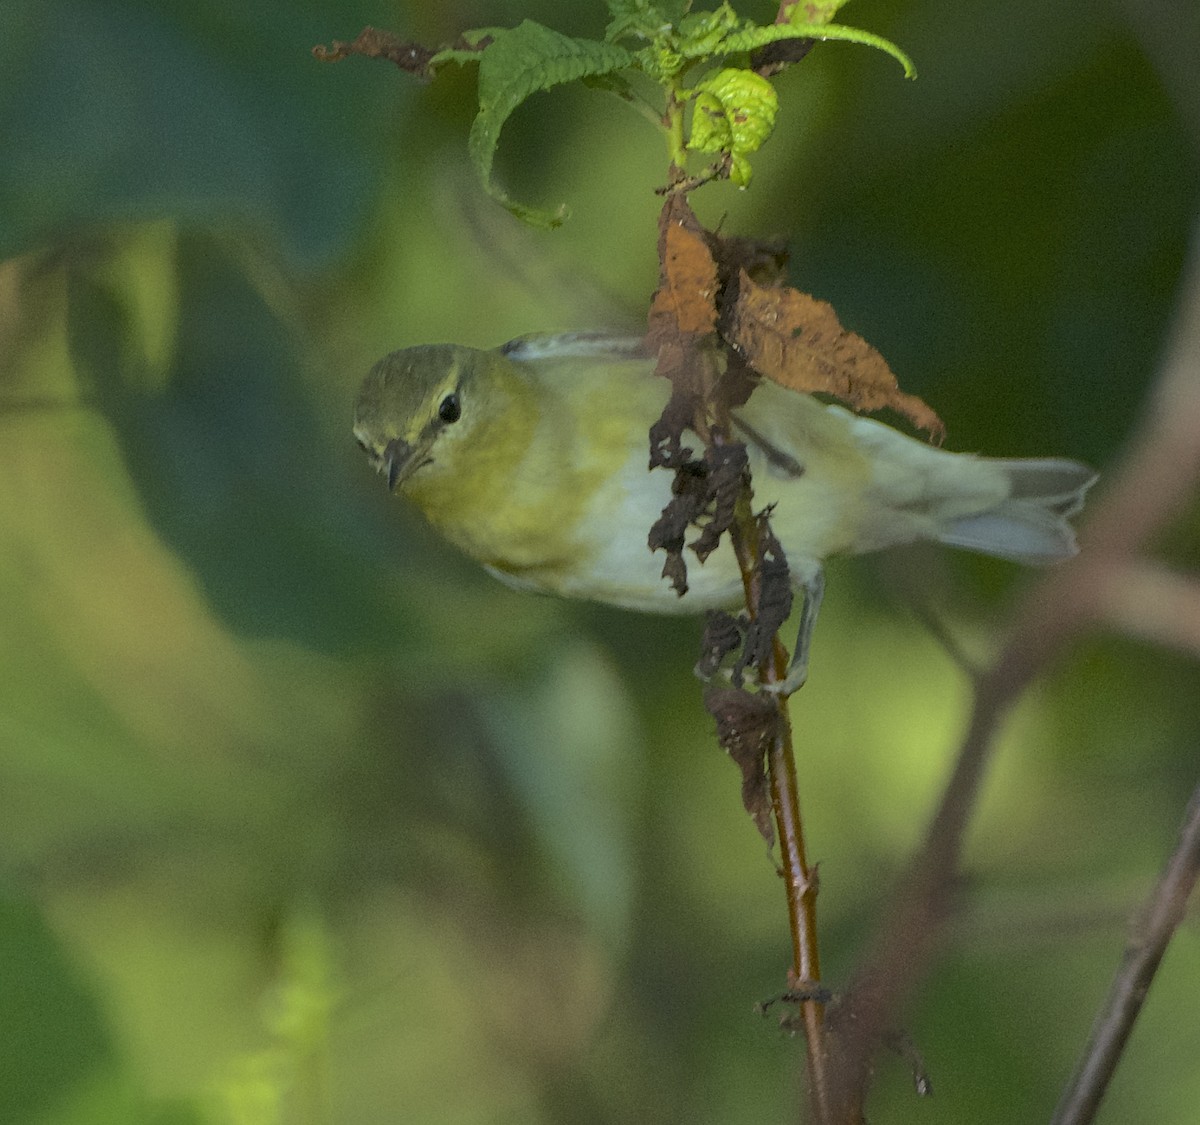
(303,819)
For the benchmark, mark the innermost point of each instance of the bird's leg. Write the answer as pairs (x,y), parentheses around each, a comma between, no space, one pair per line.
(812,585)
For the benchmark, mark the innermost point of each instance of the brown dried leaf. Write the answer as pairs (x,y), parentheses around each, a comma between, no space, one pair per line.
(666,434)
(727,466)
(770,59)
(722,635)
(681,324)
(694,269)
(774,604)
(735,383)
(797,341)
(764,259)
(705,493)
(746,726)
(690,495)
(686,301)
(684,308)
(372,43)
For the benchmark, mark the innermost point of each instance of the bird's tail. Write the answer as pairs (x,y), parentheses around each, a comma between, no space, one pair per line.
(1031,525)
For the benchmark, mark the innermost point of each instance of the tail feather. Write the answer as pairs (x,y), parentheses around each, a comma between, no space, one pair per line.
(1030,526)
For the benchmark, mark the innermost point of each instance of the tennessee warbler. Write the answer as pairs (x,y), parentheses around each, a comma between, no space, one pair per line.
(532,458)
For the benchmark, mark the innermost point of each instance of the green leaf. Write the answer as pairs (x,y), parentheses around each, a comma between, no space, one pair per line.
(734,112)
(813,11)
(751,38)
(710,125)
(739,169)
(520,62)
(702,33)
(471,52)
(612,83)
(668,11)
(643,19)
(749,101)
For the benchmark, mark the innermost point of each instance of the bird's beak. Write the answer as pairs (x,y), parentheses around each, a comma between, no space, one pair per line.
(397,462)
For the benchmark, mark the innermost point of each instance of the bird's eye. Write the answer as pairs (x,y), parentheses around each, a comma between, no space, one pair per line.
(450,409)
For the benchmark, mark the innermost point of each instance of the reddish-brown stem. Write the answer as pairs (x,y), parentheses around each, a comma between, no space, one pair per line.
(799,878)
(801,884)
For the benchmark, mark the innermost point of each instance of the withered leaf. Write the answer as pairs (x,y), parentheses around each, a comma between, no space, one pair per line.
(690,370)
(413,58)
(764,259)
(735,383)
(775,595)
(747,724)
(686,300)
(774,57)
(684,308)
(675,570)
(722,634)
(689,498)
(704,494)
(681,324)
(666,434)
(797,341)
(774,603)
(727,466)
(372,43)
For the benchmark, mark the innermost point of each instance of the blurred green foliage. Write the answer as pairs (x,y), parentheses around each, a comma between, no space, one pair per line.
(305,820)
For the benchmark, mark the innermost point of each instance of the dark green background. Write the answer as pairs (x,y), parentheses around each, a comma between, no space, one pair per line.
(302,818)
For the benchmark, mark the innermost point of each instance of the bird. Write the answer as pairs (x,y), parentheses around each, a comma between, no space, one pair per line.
(532,458)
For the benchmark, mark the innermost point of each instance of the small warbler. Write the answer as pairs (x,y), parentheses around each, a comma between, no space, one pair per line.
(532,458)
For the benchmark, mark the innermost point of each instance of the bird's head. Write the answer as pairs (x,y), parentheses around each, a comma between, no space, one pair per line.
(417,407)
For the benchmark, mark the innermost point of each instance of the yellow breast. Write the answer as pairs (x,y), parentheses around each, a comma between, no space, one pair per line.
(551,489)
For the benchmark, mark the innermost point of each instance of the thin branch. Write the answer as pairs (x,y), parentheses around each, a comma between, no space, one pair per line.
(1147,600)
(800,879)
(1159,474)
(1147,943)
